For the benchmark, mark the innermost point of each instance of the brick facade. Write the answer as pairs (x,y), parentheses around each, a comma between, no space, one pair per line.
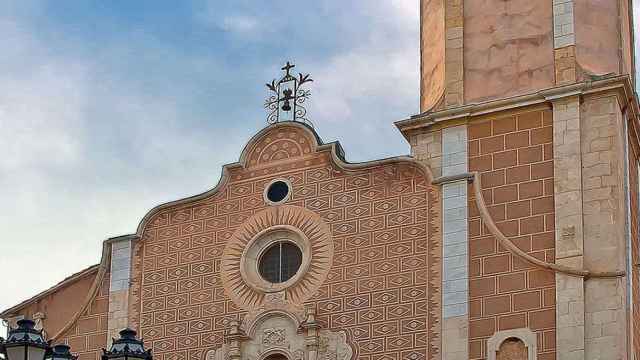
(378,287)
(513,152)
(89,334)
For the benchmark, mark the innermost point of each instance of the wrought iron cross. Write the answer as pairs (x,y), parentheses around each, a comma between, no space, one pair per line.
(286,101)
(288,67)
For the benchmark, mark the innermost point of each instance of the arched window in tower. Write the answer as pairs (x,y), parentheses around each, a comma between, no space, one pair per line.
(280,262)
(512,349)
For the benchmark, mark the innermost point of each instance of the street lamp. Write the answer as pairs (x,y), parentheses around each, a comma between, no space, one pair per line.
(61,352)
(25,342)
(126,348)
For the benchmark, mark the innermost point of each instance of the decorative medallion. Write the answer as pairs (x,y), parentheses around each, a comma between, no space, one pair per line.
(239,265)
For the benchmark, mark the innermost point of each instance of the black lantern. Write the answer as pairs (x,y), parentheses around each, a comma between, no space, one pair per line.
(127,347)
(25,342)
(61,352)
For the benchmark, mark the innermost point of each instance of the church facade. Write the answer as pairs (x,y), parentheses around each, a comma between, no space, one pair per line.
(509,232)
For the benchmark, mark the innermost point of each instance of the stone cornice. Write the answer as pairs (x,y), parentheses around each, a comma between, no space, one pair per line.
(621,84)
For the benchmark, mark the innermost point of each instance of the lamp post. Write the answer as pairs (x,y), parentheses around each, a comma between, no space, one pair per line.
(128,347)
(25,342)
(61,352)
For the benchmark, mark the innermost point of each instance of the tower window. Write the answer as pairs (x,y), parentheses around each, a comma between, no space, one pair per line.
(280,262)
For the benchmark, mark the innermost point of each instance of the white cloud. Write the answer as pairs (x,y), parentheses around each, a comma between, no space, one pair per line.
(62,190)
(239,23)
(212,15)
(40,105)
(360,90)
(382,66)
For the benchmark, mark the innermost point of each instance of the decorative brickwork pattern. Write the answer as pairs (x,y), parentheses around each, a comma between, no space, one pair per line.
(89,334)
(514,155)
(379,287)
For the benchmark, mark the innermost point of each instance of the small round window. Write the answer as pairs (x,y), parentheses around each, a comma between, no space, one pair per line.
(277,191)
(280,262)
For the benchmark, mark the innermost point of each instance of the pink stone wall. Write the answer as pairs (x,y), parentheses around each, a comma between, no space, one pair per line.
(432,53)
(597,36)
(508,48)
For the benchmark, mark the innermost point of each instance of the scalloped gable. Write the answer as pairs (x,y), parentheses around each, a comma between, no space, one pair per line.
(279,144)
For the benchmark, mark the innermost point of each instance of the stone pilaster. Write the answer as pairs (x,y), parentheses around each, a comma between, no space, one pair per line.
(455,263)
(569,227)
(118,317)
(563,24)
(590,226)
(604,225)
(427,148)
(564,42)
(454,53)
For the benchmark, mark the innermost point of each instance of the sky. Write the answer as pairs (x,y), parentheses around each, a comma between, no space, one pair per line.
(109,108)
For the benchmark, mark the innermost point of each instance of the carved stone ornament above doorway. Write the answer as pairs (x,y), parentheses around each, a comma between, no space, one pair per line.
(276,334)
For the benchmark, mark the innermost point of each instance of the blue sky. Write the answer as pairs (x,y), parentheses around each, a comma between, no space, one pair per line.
(110,108)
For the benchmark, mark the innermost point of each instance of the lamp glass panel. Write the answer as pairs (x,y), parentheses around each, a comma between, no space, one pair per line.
(15,352)
(35,353)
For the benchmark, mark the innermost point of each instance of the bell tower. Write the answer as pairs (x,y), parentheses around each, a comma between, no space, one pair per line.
(476,51)
(524,103)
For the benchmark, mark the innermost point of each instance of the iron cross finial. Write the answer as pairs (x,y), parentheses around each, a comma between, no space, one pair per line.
(288,67)
(286,101)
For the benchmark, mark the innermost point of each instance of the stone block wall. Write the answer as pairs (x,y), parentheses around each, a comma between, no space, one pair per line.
(603,173)
(634,193)
(426,147)
(514,154)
